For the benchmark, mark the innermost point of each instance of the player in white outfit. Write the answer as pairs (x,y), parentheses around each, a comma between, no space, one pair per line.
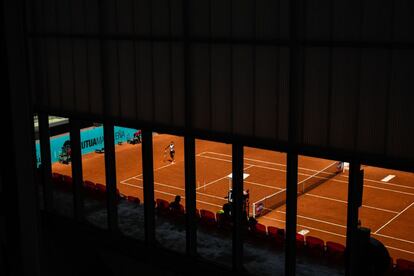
(171,147)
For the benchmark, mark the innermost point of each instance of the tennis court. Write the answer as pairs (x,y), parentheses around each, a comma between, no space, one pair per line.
(388,207)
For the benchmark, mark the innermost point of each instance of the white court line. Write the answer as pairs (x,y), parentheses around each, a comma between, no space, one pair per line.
(335,180)
(248,167)
(257,160)
(264,167)
(345,202)
(126,180)
(215,158)
(398,249)
(302,168)
(314,219)
(390,237)
(393,238)
(212,182)
(344,236)
(389,190)
(316,229)
(383,183)
(399,214)
(263,185)
(170,194)
(135,177)
(217,180)
(174,187)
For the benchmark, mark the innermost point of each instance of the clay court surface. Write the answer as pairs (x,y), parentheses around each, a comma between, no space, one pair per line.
(388,207)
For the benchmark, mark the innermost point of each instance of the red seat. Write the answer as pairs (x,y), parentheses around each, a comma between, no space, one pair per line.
(315,246)
(100,192)
(163,207)
(66,183)
(404,267)
(259,231)
(90,187)
(207,218)
(133,199)
(67,179)
(335,252)
(89,184)
(277,235)
(300,242)
(101,188)
(57,178)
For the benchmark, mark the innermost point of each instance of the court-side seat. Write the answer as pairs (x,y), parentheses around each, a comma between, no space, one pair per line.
(57,178)
(300,242)
(67,183)
(404,267)
(277,235)
(315,247)
(57,181)
(207,218)
(258,231)
(335,252)
(163,207)
(101,188)
(100,192)
(67,179)
(133,199)
(90,187)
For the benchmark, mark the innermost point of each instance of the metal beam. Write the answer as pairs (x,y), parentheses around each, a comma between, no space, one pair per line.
(44,138)
(110,173)
(77,177)
(148,180)
(190,195)
(352,218)
(311,43)
(237,208)
(291,212)
(295,88)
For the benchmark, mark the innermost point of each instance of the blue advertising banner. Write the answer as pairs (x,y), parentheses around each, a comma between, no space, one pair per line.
(91,140)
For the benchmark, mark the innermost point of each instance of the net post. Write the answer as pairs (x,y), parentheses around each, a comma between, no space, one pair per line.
(254,210)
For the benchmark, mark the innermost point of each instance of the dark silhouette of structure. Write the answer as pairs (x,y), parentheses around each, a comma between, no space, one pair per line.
(329,79)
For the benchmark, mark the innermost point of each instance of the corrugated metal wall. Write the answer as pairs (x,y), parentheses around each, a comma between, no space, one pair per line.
(126,59)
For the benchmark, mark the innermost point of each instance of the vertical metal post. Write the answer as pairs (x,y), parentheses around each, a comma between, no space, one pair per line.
(110,173)
(237,210)
(190,195)
(77,177)
(352,219)
(44,137)
(148,179)
(292,158)
(189,142)
(291,211)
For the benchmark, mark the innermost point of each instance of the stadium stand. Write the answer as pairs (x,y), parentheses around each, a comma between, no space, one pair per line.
(315,247)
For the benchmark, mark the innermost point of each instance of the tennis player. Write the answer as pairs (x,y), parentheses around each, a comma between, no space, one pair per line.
(340,167)
(171,148)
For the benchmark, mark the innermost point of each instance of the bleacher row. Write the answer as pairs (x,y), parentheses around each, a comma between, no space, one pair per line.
(313,247)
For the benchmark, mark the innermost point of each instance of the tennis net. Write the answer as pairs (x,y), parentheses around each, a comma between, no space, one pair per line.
(275,200)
